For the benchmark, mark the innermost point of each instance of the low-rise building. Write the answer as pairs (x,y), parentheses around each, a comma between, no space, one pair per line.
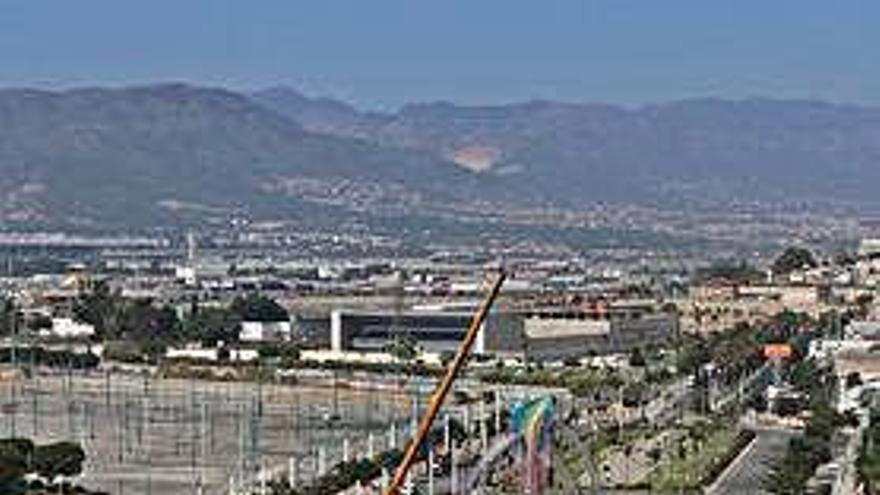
(556,338)
(265,331)
(431,331)
(544,336)
(68,328)
(197,353)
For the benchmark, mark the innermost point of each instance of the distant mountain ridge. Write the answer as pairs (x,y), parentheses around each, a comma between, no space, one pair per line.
(692,152)
(153,154)
(166,154)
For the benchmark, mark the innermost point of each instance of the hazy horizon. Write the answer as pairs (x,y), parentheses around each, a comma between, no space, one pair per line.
(383,55)
(388,108)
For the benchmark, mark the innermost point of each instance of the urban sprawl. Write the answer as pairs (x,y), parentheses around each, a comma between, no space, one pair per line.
(146,365)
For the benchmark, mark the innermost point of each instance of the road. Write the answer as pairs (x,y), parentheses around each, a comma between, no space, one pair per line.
(746,473)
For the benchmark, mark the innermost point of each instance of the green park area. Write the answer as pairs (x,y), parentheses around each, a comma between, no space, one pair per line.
(696,455)
(868,463)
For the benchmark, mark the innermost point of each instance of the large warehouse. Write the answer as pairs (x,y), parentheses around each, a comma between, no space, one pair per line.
(433,331)
(557,338)
(537,336)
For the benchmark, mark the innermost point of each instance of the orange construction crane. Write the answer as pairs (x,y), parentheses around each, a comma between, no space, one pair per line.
(443,388)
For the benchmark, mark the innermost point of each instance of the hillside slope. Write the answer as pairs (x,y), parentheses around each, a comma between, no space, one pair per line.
(711,153)
(154,154)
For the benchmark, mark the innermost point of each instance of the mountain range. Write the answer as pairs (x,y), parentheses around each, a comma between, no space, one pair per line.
(148,155)
(705,152)
(174,153)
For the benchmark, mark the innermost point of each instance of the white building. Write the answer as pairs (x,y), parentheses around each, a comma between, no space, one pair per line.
(265,331)
(67,328)
(185,274)
(192,353)
(211,354)
(864,330)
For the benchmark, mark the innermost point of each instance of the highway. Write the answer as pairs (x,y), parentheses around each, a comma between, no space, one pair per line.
(746,473)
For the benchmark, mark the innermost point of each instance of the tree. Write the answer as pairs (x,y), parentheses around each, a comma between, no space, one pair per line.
(693,355)
(15,456)
(853,379)
(699,431)
(446,357)
(844,258)
(737,272)
(102,308)
(635,394)
(39,322)
(16,447)
(284,351)
(637,358)
(212,325)
(669,308)
(571,362)
(256,307)
(402,348)
(793,258)
(864,303)
(829,323)
(145,323)
(8,314)
(806,453)
(58,459)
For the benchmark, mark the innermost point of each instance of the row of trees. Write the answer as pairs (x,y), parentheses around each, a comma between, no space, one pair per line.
(790,260)
(739,350)
(144,322)
(868,463)
(793,259)
(806,453)
(40,356)
(7,312)
(20,457)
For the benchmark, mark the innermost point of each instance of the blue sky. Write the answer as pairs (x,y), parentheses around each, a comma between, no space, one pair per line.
(381,53)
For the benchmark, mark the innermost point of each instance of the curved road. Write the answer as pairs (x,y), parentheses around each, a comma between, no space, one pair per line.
(746,473)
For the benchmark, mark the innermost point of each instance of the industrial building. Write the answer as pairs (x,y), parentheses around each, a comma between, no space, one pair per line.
(432,331)
(535,336)
(555,338)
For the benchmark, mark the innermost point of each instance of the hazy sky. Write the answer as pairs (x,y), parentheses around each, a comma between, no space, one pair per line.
(381,53)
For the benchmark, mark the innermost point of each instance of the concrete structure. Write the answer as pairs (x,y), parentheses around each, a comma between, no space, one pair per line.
(372,331)
(718,307)
(360,357)
(243,355)
(192,353)
(265,331)
(185,274)
(869,248)
(67,328)
(800,297)
(563,338)
(868,264)
(201,354)
(864,330)
(543,336)
(311,331)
